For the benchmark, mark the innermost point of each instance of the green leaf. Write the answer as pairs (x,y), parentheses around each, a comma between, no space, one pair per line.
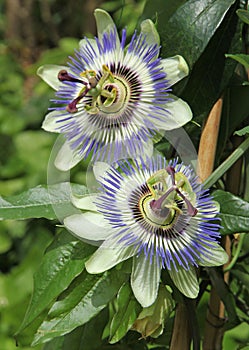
(241,58)
(127,310)
(191,27)
(242,131)
(94,293)
(234,212)
(90,334)
(226,164)
(237,338)
(242,276)
(41,201)
(64,260)
(56,343)
(211,71)
(243,15)
(159,10)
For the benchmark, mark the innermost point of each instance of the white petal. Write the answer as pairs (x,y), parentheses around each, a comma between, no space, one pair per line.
(148,28)
(179,114)
(99,169)
(185,281)
(214,257)
(86,202)
(50,122)
(145,279)
(105,257)
(49,73)
(148,149)
(105,24)
(89,226)
(67,158)
(175,67)
(85,42)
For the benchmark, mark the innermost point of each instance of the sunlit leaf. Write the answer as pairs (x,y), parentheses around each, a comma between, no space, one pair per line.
(39,202)
(212,72)
(90,334)
(186,32)
(95,293)
(63,261)
(127,310)
(202,32)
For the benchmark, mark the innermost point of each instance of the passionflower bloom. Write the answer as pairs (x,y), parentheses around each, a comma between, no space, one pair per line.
(158,214)
(113,96)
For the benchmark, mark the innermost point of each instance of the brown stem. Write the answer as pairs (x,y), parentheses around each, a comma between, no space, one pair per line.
(181,337)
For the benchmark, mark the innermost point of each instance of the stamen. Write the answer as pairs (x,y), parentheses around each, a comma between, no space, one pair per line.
(103,93)
(90,76)
(192,211)
(71,107)
(171,171)
(64,76)
(159,204)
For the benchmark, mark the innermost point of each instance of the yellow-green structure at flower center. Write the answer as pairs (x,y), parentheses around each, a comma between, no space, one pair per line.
(109,94)
(162,205)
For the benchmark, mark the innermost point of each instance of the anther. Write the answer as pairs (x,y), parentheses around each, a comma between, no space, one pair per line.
(192,211)
(71,107)
(64,76)
(159,203)
(171,171)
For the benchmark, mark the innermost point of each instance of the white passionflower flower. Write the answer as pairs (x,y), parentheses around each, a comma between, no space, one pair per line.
(111,97)
(159,215)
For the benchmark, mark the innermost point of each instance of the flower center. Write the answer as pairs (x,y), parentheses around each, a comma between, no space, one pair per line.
(167,190)
(109,94)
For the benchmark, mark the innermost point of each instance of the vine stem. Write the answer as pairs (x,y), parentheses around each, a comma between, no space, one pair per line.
(222,169)
(237,252)
(181,336)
